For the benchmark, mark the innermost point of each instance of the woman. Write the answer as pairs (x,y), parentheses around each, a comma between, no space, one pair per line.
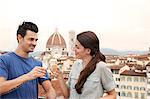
(89,77)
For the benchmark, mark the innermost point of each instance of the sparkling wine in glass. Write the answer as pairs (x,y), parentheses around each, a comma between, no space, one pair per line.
(45,66)
(53,70)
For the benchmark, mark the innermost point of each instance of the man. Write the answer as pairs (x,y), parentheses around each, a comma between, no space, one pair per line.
(19,73)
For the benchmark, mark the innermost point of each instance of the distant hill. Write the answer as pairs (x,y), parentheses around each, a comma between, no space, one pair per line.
(108,51)
(105,51)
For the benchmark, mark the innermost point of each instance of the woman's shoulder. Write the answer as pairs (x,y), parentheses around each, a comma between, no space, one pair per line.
(101,64)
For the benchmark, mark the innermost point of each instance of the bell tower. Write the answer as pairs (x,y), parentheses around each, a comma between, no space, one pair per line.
(71,42)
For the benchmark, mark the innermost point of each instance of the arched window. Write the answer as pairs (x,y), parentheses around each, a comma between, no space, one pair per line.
(129,87)
(148,92)
(129,94)
(122,78)
(142,95)
(142,88)
(148,80)
(136,88)
(136,79)
(123,87)
(123,94)
(129,79)
(136,94)
(142,79)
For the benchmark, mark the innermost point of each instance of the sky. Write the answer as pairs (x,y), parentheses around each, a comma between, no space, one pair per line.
(119,24)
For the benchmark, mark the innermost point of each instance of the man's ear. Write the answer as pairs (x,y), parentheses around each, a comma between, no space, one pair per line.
(19,38)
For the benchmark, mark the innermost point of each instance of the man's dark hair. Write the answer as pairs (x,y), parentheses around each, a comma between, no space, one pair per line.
(26,26)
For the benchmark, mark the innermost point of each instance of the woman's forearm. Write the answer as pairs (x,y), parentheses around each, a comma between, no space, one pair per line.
(110,95)
(64,87)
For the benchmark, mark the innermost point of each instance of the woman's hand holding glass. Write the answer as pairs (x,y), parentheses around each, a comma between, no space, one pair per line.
(56,72)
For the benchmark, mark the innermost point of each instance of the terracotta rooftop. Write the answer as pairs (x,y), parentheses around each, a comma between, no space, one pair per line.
(124,59)
(133,73)
(116,67)
(138,67)
(141,58)
(148,64)
(111,57)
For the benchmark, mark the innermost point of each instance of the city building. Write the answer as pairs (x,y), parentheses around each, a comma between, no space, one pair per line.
(133,85)
(148,80)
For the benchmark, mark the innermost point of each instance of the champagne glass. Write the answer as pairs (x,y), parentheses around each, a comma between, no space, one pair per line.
(45,66)
(53,70)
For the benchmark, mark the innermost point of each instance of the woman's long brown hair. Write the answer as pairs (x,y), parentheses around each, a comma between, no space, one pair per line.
(88,39)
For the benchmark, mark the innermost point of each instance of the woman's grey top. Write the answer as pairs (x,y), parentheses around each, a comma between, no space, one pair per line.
(101,79)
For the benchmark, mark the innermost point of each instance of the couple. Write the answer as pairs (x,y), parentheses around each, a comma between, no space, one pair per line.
(20,74)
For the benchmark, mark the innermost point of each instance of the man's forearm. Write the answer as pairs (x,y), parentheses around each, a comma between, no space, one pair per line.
(9,85)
